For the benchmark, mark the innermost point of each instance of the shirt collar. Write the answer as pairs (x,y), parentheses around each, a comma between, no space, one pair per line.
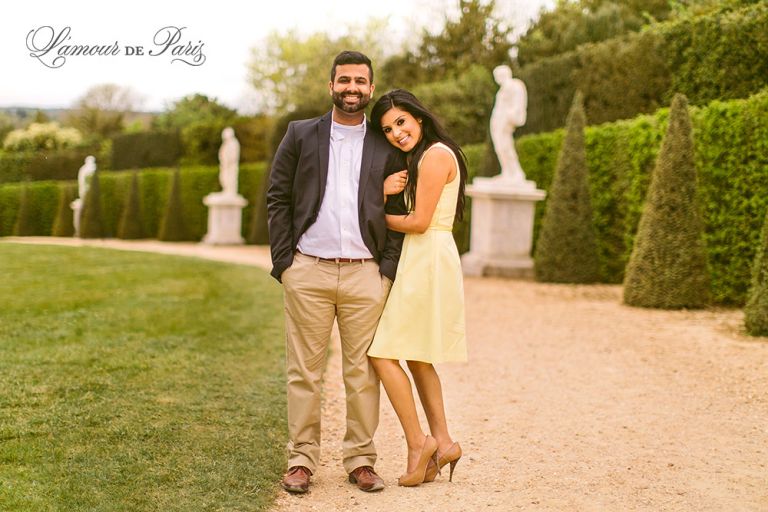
(340,131)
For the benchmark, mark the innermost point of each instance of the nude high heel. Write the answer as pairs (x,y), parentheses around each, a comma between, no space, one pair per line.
(415,477)
(451,456)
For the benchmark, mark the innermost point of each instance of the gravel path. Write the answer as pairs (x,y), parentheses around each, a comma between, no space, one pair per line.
(570,401)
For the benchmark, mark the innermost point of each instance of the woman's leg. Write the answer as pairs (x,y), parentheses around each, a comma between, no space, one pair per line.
(431,394)
(398,388)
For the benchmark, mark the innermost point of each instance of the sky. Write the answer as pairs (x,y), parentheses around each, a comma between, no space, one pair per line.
(219,36)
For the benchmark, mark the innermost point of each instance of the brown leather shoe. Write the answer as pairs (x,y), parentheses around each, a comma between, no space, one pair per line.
(296,479)
(366,479)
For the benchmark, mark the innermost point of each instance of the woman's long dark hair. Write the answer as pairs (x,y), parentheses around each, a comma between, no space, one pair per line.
(431,131)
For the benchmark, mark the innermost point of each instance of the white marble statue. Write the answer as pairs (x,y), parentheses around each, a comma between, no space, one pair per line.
(83,175)
(229,158)
(509,112)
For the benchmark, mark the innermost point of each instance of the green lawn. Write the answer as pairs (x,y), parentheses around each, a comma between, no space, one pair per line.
(133,382)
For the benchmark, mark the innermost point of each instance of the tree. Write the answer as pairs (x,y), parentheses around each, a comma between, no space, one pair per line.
(100,112)
(573,23)
(566,251)
(668,265)
(24,225)
(463,103)
(172,226)
(62,224)
(130,227)
(756,310)
(194,109)
(476,38)
(42,136)
(289,71)
(91,223)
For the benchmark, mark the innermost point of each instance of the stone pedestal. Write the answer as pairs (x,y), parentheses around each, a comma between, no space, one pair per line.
(502,227)
(225,218)
(77,210)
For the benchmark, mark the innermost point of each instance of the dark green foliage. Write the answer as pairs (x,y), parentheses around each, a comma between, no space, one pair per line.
(476,38)
(463,104)
(731,149)
(130,227)
(490,165)
(668,265)
(259,233)
(23,225)
(91,222)
(40,208)
(574,23)
(756,310)
(172,225)
(253,133)
(146,149)
(61,164)
(62,224)
(722,55)
(566,251)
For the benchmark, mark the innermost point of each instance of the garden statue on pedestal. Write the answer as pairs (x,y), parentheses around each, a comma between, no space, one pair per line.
(83,175)
(225,208)
(501,234)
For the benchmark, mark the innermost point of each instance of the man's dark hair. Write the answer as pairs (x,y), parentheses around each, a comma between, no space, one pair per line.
(350,57)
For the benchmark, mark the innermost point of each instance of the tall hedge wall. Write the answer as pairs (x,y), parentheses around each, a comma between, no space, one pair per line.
(719,56)
(196,183)
(731,142)
(61,164)
(145,149)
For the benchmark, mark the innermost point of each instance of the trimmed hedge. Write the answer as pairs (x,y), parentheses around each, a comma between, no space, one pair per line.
(731,151)
(718,56)
(172,225)
(146,149)
(154,184)
(42,200)
(756,310)
(668,265)
(566,251)
(44,165)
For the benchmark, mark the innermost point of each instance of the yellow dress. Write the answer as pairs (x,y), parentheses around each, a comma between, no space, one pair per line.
(423,319)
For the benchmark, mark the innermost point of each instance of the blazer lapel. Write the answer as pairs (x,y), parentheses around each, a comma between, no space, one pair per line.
(369,148)
(323,150)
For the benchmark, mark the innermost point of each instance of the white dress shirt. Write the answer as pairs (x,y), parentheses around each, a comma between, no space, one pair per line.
(336,232)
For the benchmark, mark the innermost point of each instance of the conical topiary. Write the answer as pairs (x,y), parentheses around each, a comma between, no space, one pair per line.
(258,233)
(566,250)
(63,224)
(172,225)
(130,227)
(24,225)
(91,224)
(756,310)
(668,265)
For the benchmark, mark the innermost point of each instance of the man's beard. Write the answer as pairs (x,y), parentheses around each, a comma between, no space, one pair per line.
(338,100)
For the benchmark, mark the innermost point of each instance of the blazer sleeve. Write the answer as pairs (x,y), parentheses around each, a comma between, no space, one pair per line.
(280,203)
(394,243)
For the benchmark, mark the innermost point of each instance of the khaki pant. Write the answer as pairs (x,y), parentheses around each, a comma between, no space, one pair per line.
(316,292)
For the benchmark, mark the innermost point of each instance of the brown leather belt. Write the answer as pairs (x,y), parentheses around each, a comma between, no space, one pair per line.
(338,260)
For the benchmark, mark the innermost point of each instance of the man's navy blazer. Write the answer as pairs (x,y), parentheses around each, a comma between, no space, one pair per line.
(297,185)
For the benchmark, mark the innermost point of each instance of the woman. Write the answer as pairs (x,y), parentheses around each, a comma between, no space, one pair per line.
(423,320)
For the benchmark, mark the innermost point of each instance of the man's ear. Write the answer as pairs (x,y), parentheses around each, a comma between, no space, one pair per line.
(330,88)
(372,89)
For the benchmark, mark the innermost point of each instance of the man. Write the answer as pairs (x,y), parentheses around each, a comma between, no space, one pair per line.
(336,259)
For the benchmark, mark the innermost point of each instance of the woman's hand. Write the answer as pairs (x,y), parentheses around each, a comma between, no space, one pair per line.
(395,183)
